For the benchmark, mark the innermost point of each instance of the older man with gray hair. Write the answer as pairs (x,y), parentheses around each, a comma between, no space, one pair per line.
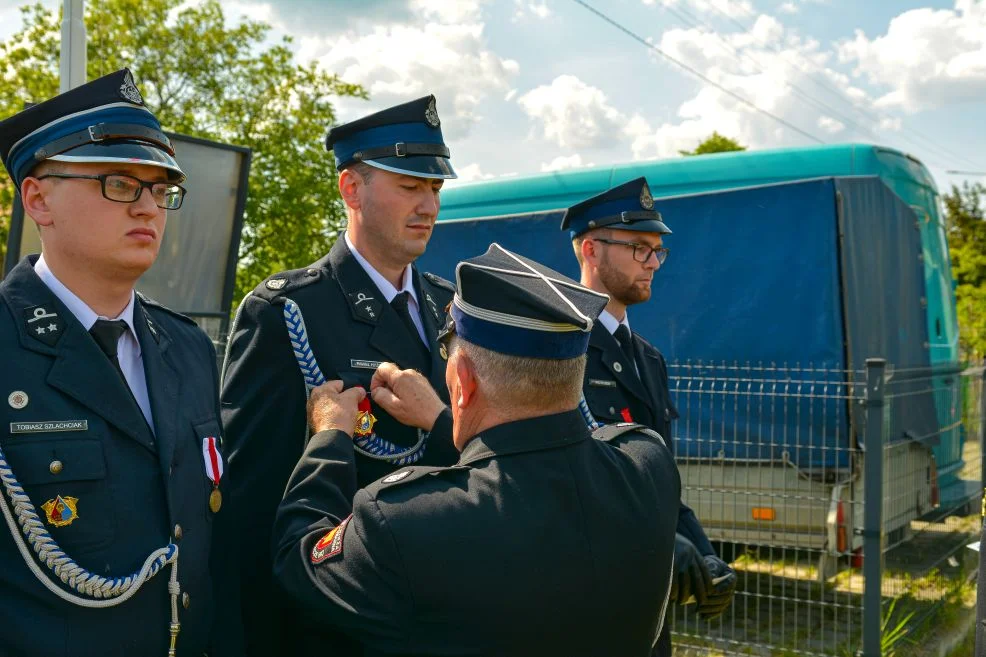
(543,539)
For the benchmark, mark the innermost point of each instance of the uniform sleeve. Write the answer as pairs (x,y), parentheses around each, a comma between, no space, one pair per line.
(340,570)
(263,411)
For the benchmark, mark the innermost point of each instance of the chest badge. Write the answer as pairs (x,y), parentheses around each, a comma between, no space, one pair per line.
(213,470)
(61,511)
(364,419)
(18,399)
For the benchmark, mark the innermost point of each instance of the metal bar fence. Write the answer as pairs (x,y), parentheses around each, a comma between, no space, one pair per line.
(773,461)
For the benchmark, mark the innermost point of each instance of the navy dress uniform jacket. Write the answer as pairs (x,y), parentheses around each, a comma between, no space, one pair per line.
(351,328)
(136,491)
(541,540)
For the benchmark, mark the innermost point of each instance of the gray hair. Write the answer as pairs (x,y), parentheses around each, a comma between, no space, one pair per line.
(524,383)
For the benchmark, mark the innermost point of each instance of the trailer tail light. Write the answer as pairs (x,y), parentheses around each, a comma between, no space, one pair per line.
(764,513)
(842,544)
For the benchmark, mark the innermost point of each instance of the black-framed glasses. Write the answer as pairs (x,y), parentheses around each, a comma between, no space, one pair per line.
(641,252)
(127,189)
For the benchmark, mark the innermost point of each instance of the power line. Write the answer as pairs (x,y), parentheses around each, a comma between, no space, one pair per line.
(648,44)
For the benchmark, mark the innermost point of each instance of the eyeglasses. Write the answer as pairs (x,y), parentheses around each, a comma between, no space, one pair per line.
(641,252)
(127,189)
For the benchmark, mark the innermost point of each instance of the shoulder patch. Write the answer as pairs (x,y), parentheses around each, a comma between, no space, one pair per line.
(147,301)
(439,281)
(609,432)
(286,281)
(330,545)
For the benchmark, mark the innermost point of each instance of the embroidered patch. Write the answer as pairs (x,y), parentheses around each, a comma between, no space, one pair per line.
(45,427)
(356,363)
(276,283)
(397,476)
(43,324)
(366,307)
(331,544)
(61,511)
(602,383)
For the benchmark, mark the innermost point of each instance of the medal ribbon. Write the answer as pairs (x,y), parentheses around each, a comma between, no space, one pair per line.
(213,461)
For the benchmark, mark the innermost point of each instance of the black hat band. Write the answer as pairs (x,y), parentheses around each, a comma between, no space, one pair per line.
(625,217)
(401,149)
(95,134)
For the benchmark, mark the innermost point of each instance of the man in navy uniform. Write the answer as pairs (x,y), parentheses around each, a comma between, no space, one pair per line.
(362,304)
(109,451)
(618,241)
(542,539)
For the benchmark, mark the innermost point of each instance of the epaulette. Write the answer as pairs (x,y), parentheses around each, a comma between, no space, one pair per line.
(439,281)
(147,301)
(609,432)
(403,476)
(286,281)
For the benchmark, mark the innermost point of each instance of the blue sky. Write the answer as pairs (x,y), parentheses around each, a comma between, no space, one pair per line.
(525,86)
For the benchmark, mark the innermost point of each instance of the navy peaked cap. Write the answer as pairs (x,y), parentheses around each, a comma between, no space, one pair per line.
(512,305)
(629,206)
(101,121)
(404,139)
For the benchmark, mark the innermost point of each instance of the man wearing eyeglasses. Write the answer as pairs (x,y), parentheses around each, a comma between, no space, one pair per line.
(618,239)
(110,442)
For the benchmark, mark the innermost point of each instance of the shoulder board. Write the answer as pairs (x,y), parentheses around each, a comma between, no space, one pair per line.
(403,476)
(149,302)
(284,282)
(609,432)
(439,281)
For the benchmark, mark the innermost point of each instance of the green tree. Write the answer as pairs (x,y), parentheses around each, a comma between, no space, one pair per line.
(966,222)
(716,143)
(206,78)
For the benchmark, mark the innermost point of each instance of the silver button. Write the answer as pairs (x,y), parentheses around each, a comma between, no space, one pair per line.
(178,532)
(186,600)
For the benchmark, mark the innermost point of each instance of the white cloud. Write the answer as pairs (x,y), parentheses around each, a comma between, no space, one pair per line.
(563,162)
(788,8)
(731,8)
(523,8)
(471,172)
(830,125)
(442,52)
(928,58)
(571,113)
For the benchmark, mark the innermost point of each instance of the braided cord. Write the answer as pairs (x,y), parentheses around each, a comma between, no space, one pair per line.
(590,421)
(371,446)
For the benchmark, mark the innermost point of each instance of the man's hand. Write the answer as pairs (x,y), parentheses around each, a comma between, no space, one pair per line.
(690,575)
(720,594)
(331,407)
(406,395)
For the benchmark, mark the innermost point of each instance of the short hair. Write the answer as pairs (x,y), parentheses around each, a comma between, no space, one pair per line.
(365,170)
(521,382)
(581,237)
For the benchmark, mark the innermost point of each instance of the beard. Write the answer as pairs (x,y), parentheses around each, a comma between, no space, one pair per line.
(624,289)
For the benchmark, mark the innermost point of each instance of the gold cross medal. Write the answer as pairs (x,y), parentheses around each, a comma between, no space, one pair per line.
(214,470)
(364,419)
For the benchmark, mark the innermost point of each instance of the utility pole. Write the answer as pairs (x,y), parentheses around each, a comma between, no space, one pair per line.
(72,71)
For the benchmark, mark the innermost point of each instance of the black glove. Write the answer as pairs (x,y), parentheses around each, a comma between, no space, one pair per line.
(690,575)
(716,597)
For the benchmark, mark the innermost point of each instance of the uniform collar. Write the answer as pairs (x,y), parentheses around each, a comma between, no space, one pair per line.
(79,308)
(611,323)
(530,435)
(385,286)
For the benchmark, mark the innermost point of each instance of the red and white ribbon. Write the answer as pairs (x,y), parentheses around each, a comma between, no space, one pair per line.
(213,460)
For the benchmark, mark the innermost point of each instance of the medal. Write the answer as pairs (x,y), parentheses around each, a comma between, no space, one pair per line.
(213,470)
(364,419)
(215,500)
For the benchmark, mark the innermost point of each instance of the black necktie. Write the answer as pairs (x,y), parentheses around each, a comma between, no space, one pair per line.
(626,343)
(399,303)
(107,334)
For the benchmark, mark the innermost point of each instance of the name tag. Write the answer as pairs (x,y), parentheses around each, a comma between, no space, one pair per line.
(365,364)
(602,383)
(44,427)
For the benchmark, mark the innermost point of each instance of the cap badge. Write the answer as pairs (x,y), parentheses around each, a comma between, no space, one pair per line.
(431,114)
(61,511)
(276,283)
(129,90)
(646,200)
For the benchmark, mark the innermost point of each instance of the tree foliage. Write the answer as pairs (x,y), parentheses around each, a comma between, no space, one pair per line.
(715,143)
(966,220)
(207,78)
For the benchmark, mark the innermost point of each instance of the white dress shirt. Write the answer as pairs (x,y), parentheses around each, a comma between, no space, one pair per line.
(389,291)
(128,347)
(611,324)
